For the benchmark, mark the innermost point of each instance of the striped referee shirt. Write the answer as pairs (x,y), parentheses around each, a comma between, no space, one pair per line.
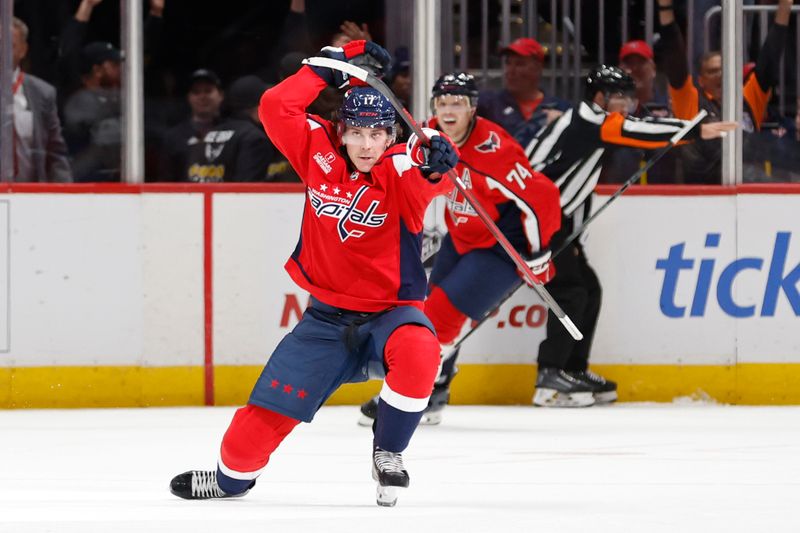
(568,151)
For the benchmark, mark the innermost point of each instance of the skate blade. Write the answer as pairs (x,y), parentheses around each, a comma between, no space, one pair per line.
(365,421)
(605,397)
(386,496)
(553,398)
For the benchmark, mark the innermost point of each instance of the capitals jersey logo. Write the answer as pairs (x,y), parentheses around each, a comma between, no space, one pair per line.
(460,209)
(215,143)
(489,145)
(348,214)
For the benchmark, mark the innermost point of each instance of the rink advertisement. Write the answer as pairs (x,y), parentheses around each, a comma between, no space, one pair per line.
(176,296)
(5,279)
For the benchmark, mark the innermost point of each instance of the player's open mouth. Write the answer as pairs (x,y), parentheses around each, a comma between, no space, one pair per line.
(449,120)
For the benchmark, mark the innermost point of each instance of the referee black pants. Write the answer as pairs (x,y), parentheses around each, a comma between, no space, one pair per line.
(577,290)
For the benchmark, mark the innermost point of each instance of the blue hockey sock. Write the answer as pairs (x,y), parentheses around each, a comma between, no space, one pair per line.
(233,486)
(393,427)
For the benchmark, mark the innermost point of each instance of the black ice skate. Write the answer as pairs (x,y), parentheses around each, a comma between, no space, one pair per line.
(556,388)
(605,390)
(200,485)
(391,475)
(369,412)
(431,416)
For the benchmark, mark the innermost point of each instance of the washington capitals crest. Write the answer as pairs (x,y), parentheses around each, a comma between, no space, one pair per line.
(347,212)
(489,145)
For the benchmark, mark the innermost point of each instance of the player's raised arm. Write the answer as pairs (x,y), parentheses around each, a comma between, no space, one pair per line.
(282,109)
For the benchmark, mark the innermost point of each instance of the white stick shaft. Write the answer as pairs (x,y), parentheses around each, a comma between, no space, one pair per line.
(356,72)
(681,133)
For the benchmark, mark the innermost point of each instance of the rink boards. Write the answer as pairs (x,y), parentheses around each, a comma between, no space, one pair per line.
(168,295)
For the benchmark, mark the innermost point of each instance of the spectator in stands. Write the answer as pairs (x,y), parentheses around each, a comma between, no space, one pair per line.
(350,31)
(71,41)
(40,152)
(399,79)
(784,156)
(205,98)
(636,58)
(702,160)
(621,162)
(521,107)
(92,125)
(206,148)
(243,97)
(73,37)
(773,152)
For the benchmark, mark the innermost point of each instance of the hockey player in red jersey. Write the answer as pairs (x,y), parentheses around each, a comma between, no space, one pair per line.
(472,272)
(359,257)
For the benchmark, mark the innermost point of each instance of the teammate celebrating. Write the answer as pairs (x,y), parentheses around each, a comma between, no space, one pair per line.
(472,272)
(359,257)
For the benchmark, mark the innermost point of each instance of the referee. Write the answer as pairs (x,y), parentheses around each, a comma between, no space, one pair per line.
(569,151)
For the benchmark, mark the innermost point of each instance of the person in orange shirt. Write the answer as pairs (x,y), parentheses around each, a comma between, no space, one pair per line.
(702,160)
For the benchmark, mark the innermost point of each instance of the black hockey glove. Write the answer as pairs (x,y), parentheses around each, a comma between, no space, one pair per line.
(434,159)
(366,54)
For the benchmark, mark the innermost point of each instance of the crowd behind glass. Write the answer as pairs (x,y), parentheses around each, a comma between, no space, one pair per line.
(205,72)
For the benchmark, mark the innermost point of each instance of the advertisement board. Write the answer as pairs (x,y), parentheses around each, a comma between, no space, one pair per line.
(175,297)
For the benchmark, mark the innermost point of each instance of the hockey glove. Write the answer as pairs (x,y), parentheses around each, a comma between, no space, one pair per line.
(366,54)
(436,158)
(542,266)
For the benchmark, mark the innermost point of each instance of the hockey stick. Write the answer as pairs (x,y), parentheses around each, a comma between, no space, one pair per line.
(378,85)
(575,234)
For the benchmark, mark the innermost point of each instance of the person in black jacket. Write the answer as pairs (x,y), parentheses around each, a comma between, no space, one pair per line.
(92,116)
(207,148)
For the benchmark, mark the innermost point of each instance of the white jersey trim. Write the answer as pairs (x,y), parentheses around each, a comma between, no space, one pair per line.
(535,152)
(591,115)
(645,126)
(245,476)
(314,124)
(560,181)
(531,223)
(578,180)
(402,163)
(403,403)
(586,190)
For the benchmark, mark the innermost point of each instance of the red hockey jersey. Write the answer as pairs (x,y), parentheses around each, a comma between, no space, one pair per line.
(361,234)
(523,203)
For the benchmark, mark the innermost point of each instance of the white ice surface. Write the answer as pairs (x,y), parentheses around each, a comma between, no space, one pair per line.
(634,467)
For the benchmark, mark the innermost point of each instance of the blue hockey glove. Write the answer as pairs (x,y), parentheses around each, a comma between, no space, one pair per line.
(366,54)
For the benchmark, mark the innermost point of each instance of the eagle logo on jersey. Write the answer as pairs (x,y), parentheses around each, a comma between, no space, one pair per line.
(347,212)
(490,145)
